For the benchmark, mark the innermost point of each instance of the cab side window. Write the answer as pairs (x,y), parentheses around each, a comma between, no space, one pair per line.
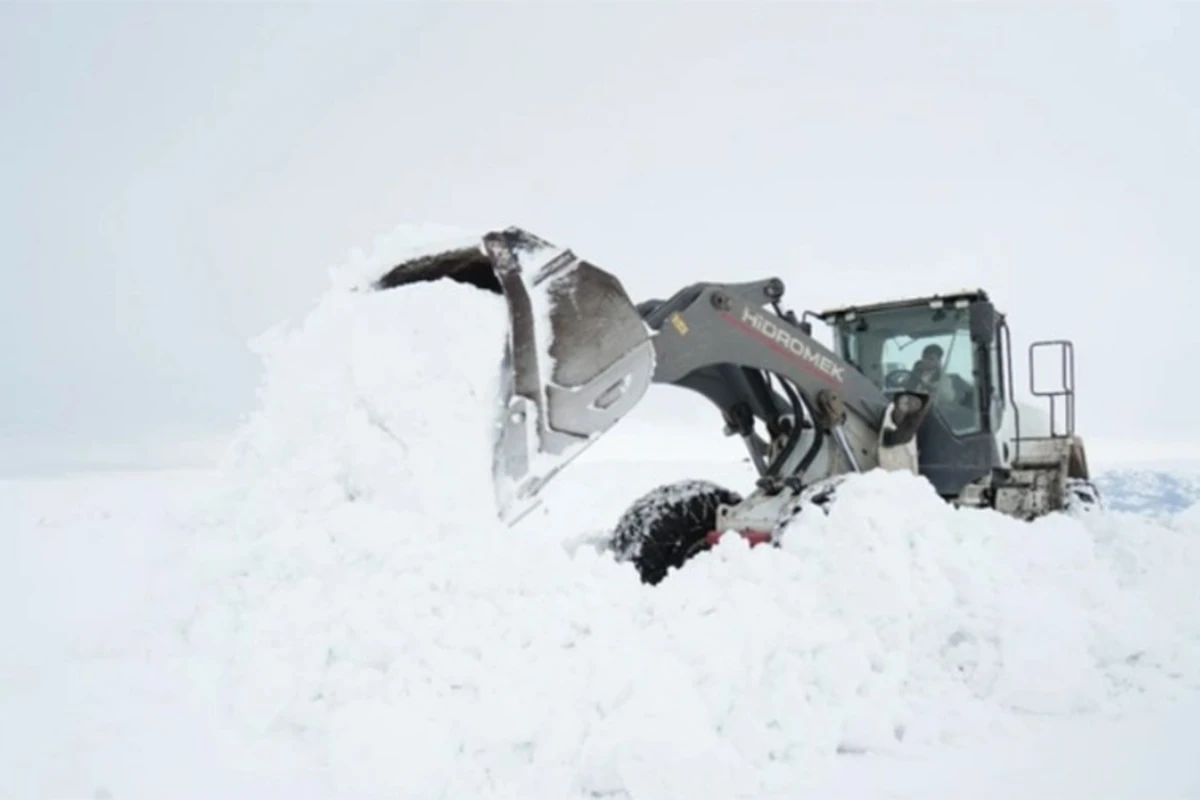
(999,387)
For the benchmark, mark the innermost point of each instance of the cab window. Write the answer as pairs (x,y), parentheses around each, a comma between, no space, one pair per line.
(888,346)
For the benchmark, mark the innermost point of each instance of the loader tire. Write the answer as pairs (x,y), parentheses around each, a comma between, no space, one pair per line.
(666,526)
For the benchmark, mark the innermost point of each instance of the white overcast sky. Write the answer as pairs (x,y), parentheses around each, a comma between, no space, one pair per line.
(177,178)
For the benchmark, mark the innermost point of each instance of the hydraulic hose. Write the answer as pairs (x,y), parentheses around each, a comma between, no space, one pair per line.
(793,439)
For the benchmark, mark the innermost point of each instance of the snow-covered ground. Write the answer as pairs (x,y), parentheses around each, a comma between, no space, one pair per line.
(1151,489)
(338,614)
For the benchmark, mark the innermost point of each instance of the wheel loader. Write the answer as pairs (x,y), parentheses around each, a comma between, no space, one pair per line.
(922,384)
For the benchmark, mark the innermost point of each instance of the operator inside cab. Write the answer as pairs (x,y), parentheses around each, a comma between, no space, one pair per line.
(926,373)
(950,391)
(898,444)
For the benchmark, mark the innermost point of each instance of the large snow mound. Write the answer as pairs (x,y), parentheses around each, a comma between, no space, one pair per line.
(366,608)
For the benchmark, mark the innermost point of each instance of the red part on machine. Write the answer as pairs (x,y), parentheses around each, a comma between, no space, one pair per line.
(753,537)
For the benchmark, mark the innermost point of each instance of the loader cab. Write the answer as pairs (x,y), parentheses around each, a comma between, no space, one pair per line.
(953,346)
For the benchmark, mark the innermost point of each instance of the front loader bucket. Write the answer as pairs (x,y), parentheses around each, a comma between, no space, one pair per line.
(577,358)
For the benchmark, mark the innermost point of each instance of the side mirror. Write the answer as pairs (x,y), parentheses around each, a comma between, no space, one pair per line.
(983,322)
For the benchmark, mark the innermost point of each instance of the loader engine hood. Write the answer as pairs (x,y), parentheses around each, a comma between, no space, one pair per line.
(577,355)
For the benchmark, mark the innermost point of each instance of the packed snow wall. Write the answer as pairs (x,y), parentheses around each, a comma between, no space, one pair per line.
(365,607)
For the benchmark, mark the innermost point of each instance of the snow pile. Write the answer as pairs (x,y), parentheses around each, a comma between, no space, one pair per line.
(367,609)
(959,606)
(381,397)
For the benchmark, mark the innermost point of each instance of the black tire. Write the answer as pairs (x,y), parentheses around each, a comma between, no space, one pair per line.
(666,526)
